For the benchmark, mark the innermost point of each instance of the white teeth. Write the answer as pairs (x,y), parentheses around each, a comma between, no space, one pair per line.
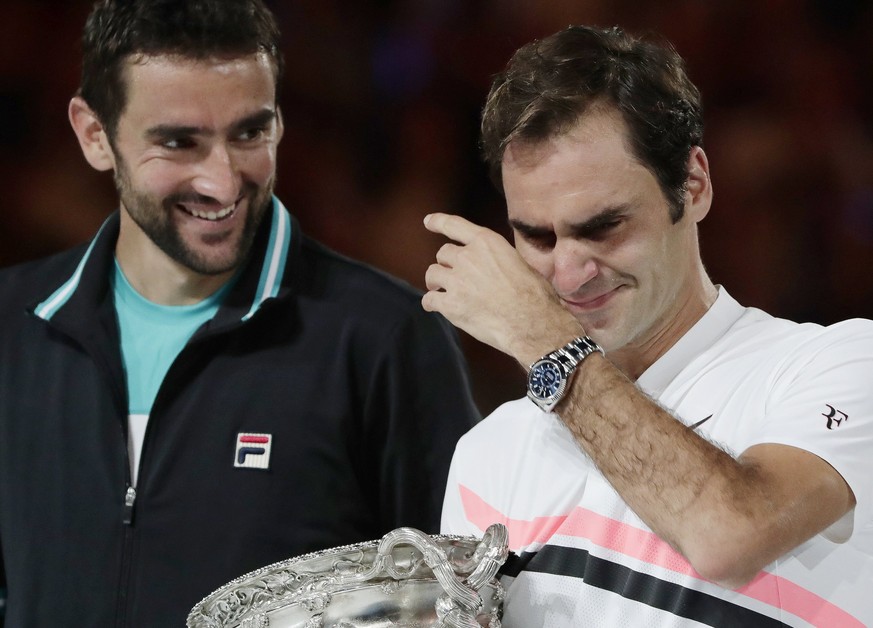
(212,215)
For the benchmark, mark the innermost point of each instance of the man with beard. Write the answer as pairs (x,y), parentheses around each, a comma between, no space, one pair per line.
(713,467)
(202,390)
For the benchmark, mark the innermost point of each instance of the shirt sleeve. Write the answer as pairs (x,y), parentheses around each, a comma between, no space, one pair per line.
(822,402)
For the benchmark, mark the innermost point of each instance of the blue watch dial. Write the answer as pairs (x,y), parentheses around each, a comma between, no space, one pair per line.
(545,380)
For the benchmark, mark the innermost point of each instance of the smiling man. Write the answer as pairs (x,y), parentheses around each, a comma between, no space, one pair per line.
(686,461)
(194,157)
(202,390)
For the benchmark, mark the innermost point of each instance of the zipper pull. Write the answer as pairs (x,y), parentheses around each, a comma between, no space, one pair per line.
(129,500)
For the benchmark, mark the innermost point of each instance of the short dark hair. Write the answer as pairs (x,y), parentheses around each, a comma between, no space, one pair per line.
(549,84)
(196,29)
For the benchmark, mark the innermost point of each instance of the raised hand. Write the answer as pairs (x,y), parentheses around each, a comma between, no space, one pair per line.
(483,286)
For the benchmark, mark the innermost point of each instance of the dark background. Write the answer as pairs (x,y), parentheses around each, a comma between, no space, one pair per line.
(381,104)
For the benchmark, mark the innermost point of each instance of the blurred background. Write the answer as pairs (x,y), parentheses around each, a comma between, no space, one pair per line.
(381,102)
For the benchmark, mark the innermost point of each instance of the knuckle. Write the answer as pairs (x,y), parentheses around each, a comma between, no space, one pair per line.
(429,276)
(483,237)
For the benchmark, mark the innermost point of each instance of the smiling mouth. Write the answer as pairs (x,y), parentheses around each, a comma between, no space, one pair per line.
(590,303)
(211,216)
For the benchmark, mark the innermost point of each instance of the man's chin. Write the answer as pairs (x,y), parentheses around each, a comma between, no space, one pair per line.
(207,262)
(218,254)
(595,324)
(213,267)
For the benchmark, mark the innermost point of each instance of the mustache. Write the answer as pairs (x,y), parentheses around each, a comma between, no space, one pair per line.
(248,189)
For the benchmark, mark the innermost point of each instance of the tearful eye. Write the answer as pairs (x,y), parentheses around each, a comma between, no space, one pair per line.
(545,242)
(601,230)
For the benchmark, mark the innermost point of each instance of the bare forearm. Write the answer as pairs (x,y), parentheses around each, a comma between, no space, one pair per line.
(726,516)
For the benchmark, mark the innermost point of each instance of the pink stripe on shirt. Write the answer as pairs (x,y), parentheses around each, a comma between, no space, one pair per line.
(646,546)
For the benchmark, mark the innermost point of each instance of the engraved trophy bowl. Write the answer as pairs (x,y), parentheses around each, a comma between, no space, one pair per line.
(406,579)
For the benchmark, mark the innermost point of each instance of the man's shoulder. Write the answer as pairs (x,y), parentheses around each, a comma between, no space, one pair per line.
(846,344)
(760,354)
(850,328)
(774,335)
(32,280)
(335,277)
(43,267)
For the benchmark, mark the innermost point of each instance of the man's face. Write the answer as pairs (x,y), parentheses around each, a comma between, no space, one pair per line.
(594,222)
(195,158)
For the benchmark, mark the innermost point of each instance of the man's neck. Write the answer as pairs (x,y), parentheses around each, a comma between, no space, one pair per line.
(162,280)
(635,358)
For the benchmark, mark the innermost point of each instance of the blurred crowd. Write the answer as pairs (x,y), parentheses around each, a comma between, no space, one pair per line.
(381,102)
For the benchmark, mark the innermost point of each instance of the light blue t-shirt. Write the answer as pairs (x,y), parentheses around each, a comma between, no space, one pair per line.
(152,335)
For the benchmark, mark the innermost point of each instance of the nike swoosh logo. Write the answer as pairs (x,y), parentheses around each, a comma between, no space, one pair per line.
(700,422)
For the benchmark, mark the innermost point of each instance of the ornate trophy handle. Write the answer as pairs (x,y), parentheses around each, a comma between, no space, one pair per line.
(492,552)
(461,602)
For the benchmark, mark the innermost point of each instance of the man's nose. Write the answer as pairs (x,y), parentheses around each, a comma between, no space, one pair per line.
(218,176)
(573,266)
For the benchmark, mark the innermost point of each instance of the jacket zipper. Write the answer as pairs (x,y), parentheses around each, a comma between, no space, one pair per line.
(129,501)
(126,558)
(128,508)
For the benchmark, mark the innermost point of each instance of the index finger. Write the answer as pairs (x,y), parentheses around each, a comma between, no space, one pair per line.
(453,227)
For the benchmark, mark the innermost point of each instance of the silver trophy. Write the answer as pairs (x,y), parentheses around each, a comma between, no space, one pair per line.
(407,579)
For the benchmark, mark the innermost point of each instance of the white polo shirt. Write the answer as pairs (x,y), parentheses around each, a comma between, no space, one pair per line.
(585,559)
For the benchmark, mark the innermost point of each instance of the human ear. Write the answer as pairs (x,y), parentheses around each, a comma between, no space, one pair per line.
(698,193)
(91,135)
(280,125)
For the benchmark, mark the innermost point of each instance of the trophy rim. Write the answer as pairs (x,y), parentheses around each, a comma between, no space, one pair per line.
(198,617)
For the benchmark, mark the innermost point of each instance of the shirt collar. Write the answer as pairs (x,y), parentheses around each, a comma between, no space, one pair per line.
(720,317)
(263,274)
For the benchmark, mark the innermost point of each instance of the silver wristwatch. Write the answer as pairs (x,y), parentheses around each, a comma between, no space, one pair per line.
(549,377)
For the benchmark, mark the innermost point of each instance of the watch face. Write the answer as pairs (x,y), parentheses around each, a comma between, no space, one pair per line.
(545,379)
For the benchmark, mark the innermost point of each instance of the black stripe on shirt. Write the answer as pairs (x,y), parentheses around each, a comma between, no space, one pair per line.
(633,585)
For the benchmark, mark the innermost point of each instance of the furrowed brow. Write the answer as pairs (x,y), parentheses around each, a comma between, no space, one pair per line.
(600,220)
(530,231)
(582,229)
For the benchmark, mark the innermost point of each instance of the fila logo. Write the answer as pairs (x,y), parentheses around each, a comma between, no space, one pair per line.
(252,451)
(835,417)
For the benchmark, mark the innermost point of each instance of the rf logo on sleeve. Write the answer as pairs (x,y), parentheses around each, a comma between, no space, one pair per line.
(835,417)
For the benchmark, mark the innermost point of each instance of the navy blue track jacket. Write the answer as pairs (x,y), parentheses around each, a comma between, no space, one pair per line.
(362,393)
